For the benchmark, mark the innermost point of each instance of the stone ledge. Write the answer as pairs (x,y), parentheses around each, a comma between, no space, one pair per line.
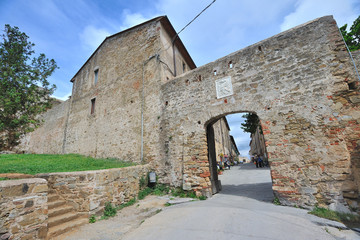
(10,183)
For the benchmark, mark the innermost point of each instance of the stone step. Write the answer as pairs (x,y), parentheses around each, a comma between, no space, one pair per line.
(59,210)
(63,218)
(53,197)
(56,204)
(66,227)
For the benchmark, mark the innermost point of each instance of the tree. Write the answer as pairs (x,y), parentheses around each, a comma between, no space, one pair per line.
(252,122)
(24,88)
(352,38)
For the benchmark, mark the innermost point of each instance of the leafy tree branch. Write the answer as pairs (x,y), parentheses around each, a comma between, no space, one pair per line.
(24,87)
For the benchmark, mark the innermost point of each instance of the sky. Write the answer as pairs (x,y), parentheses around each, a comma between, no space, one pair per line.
(70,30)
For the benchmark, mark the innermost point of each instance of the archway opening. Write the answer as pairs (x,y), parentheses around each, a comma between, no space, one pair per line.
(238,158)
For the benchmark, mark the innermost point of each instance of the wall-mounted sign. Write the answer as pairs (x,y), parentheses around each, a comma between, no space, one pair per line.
(223,87)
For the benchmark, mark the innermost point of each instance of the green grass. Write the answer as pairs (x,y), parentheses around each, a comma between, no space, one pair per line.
(335,216)
(129,203)
(143,193)
(276,201)
(179,192)
(158,190)
(109,211)
(92,219)
(47,163)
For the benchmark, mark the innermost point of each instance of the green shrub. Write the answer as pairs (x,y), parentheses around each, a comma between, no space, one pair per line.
(143,193)
(179,192)
(129,203)
(143,182)
(109,210)
(202,198)
(92,219)
(161,189)
(276,201)
(333,215)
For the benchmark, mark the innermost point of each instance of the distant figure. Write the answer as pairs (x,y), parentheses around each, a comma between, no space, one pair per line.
(260,162)
(228,164)
(256,161)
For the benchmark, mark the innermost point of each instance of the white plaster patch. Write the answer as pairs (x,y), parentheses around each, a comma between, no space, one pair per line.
(224,87)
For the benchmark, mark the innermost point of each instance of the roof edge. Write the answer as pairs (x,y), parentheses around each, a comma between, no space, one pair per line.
(111,36)
(177,41)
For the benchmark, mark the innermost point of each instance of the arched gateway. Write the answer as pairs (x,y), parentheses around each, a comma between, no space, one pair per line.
(303,86)
(301,83)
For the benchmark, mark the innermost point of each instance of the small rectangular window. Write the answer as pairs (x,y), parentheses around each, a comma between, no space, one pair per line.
(93,105)
(184,67)
(96,73)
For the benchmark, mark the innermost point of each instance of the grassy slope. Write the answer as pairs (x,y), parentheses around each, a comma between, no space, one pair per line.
(46,163)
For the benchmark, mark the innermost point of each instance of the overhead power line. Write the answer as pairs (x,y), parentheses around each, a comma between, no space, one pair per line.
(195,18)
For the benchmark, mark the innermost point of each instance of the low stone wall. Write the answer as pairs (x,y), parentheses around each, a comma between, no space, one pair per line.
(88,191)
(24,203)
(23,209)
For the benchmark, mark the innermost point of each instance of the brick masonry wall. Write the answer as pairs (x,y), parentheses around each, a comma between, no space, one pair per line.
(23,209)
(299,83)
(88,191)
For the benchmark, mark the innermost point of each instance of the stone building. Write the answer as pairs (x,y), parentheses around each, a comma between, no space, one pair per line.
(257,145)
(115,108)
(225,146)
(234,152)
(140,97)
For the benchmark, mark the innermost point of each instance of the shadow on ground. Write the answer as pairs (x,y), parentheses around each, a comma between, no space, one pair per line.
(251,166)
(258,191)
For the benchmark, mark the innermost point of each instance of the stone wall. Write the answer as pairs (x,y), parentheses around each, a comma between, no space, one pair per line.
(49,137)
(24,203)
(301,85)
(23,209)
(88,191)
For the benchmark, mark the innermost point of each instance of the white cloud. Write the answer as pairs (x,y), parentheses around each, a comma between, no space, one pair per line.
(63,98)
(132,19)
(344,11)
(91,37)
(226,26)
(241,138)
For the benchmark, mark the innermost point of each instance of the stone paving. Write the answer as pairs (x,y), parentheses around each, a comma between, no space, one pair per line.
(243,210)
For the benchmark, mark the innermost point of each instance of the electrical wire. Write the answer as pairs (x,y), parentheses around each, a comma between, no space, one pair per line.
(177,34)
(352,59)
(195,18)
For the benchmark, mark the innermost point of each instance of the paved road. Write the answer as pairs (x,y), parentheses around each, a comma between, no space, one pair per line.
(243,210)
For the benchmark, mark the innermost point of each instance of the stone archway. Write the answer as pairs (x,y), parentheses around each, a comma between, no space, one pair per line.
(298,82)
(219,145)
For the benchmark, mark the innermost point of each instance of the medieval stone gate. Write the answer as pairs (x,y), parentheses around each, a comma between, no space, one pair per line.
(302,85)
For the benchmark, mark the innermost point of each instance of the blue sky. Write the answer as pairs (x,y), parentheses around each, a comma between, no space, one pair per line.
(70,30)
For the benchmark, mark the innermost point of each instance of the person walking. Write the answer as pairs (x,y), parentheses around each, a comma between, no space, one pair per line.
(260,162)
(256,161)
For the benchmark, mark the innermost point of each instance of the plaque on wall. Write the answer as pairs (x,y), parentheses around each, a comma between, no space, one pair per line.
(223,87)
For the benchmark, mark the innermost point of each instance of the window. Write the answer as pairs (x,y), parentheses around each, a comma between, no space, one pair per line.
(96,74)
(93,106)
(184,67)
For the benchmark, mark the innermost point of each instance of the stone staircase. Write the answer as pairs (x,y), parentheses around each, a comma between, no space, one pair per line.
(62,216)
